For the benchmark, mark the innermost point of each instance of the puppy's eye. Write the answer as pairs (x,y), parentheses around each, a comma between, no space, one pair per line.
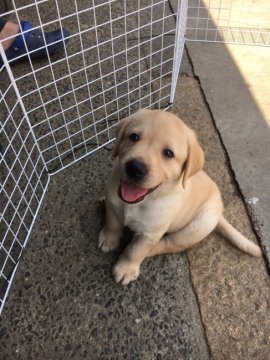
(134,137)
(168,153)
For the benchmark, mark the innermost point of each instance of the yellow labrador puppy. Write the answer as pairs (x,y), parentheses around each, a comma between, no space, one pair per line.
(158,189)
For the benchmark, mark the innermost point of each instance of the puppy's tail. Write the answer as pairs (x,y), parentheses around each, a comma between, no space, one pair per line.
(240,241)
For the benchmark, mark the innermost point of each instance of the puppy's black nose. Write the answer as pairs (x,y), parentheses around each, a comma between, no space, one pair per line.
(136,170)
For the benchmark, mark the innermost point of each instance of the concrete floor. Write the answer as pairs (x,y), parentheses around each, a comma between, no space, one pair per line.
(234,80)
(209,302)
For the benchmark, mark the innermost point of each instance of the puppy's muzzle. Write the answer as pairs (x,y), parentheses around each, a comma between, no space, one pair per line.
(136,170)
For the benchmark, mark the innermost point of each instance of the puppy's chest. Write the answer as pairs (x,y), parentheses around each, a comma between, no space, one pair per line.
(144,218)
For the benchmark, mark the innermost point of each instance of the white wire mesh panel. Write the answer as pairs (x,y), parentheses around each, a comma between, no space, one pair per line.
(22,182)
(119,56)
(230,21)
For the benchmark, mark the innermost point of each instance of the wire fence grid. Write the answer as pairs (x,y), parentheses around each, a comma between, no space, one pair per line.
(229,21)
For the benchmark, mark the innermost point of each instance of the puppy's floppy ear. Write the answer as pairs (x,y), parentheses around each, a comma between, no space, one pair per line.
(119,133)
(195,158)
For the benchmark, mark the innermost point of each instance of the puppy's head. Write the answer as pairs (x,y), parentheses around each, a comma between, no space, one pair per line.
(154,147)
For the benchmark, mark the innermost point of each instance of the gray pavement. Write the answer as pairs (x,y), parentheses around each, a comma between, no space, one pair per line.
(234,80)
(209,302)
(232,288)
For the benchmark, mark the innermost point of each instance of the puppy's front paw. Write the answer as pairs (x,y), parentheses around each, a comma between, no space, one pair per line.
(108,241)
(124,271)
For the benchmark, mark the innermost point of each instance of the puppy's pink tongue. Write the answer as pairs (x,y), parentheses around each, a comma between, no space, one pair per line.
(131,192)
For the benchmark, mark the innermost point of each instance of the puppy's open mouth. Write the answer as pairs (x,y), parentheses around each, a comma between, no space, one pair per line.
(131,193)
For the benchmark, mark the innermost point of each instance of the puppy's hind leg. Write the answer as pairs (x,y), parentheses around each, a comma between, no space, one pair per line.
(201,226)
(109,236)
